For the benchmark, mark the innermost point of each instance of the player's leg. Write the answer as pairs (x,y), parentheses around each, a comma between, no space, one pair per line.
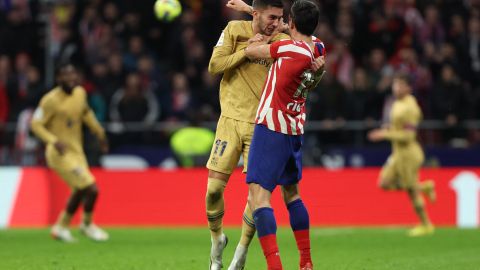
(87,227)
(215,210)
(269,153)
(300,223)
(60,229)
(299,218)
(266,225)
(62,165)
(223,159)
(248,224)
(389,177)
(409,174)
(427,187)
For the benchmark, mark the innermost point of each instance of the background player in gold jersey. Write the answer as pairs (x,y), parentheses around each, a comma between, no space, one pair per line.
(58,122)
(240,91)
(401,171)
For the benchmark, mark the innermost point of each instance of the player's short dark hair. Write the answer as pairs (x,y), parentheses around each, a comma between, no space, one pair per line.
(62,66)
(403,76)
(305,15)
(263,4)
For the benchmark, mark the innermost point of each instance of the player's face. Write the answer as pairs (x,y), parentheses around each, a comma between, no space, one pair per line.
(269,19)
(400,88)
(68,78)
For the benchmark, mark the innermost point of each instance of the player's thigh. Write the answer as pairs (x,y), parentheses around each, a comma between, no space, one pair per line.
(389,175)
(72,168)
(227,147)
(269,153)
(292,173)
(409,171)
(247,134)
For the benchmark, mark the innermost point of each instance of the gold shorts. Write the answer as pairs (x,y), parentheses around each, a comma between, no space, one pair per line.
(71,167)
(401,172)
(232,139)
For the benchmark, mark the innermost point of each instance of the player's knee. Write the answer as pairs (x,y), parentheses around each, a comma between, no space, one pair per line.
(385,185)
(92,190)
(215,190)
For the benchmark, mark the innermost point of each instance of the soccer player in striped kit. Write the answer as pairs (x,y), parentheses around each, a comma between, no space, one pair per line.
(275,154)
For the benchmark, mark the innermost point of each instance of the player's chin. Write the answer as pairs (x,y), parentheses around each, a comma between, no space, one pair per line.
(269,31)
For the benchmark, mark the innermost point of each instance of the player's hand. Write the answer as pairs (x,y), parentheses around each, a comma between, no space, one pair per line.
(318,64)
(256,39)
(60,147)
(104,146)
(239,5)
(376,135)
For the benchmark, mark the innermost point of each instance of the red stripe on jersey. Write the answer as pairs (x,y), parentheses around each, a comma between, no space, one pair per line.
(282,106)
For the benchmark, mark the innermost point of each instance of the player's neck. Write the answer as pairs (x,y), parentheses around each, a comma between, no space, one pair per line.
(255,28)
(297,36)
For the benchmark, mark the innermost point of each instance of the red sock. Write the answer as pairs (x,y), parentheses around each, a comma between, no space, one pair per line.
(270,250)
(303,243)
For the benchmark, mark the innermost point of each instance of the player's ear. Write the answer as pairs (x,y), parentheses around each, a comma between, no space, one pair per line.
(291,25)
(255,13)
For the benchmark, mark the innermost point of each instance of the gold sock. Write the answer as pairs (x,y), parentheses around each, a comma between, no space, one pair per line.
(87,218)
(215,206)
(248,227)
(64,219)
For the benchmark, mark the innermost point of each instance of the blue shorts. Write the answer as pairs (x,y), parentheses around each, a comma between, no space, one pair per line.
(274,159)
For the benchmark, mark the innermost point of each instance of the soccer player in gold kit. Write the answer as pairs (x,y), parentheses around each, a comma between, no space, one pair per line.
(401,171)
(240,92)
(58,122)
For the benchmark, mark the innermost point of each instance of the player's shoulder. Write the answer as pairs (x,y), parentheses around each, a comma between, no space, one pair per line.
(50,97)
(319,46)
(80,90)
(281,37)
(238,25)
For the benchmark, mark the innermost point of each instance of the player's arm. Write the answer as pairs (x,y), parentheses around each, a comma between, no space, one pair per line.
(258,50)
(41,117)
(90,120)
(240,6)
(223,56)
(407,134)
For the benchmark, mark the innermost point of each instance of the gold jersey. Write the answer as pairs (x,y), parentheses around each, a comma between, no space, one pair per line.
(243,79)
(60,117)
(404,117)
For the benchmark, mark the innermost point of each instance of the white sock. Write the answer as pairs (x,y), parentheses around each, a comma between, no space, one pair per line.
(240,252)
(216,240)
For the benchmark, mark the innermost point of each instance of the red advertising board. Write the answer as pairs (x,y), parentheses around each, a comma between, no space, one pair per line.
(154,197)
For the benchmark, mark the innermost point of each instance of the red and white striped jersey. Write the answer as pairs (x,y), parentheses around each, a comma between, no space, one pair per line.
(282,106)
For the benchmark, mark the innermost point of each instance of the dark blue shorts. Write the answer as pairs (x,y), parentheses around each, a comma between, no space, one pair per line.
(274,159)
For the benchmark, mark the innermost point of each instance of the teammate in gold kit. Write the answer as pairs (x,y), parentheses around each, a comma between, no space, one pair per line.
(401,171)
(58,122)
(240,91)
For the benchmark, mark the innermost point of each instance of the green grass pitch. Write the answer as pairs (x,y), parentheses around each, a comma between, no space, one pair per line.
(188,248)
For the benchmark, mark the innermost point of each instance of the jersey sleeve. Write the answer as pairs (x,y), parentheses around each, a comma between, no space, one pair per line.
(223,55)
(41,117)
(90,120)
(279,49)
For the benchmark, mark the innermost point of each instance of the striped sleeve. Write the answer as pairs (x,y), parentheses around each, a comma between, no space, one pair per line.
(279,48)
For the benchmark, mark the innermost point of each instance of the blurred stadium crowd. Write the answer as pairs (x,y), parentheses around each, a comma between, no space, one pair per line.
(137,69)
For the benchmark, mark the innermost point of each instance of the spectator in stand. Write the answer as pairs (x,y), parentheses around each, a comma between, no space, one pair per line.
(4,77)
(449,103)
(181,97)
(133,103)
(136,48)
(471,52)
(432,30)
